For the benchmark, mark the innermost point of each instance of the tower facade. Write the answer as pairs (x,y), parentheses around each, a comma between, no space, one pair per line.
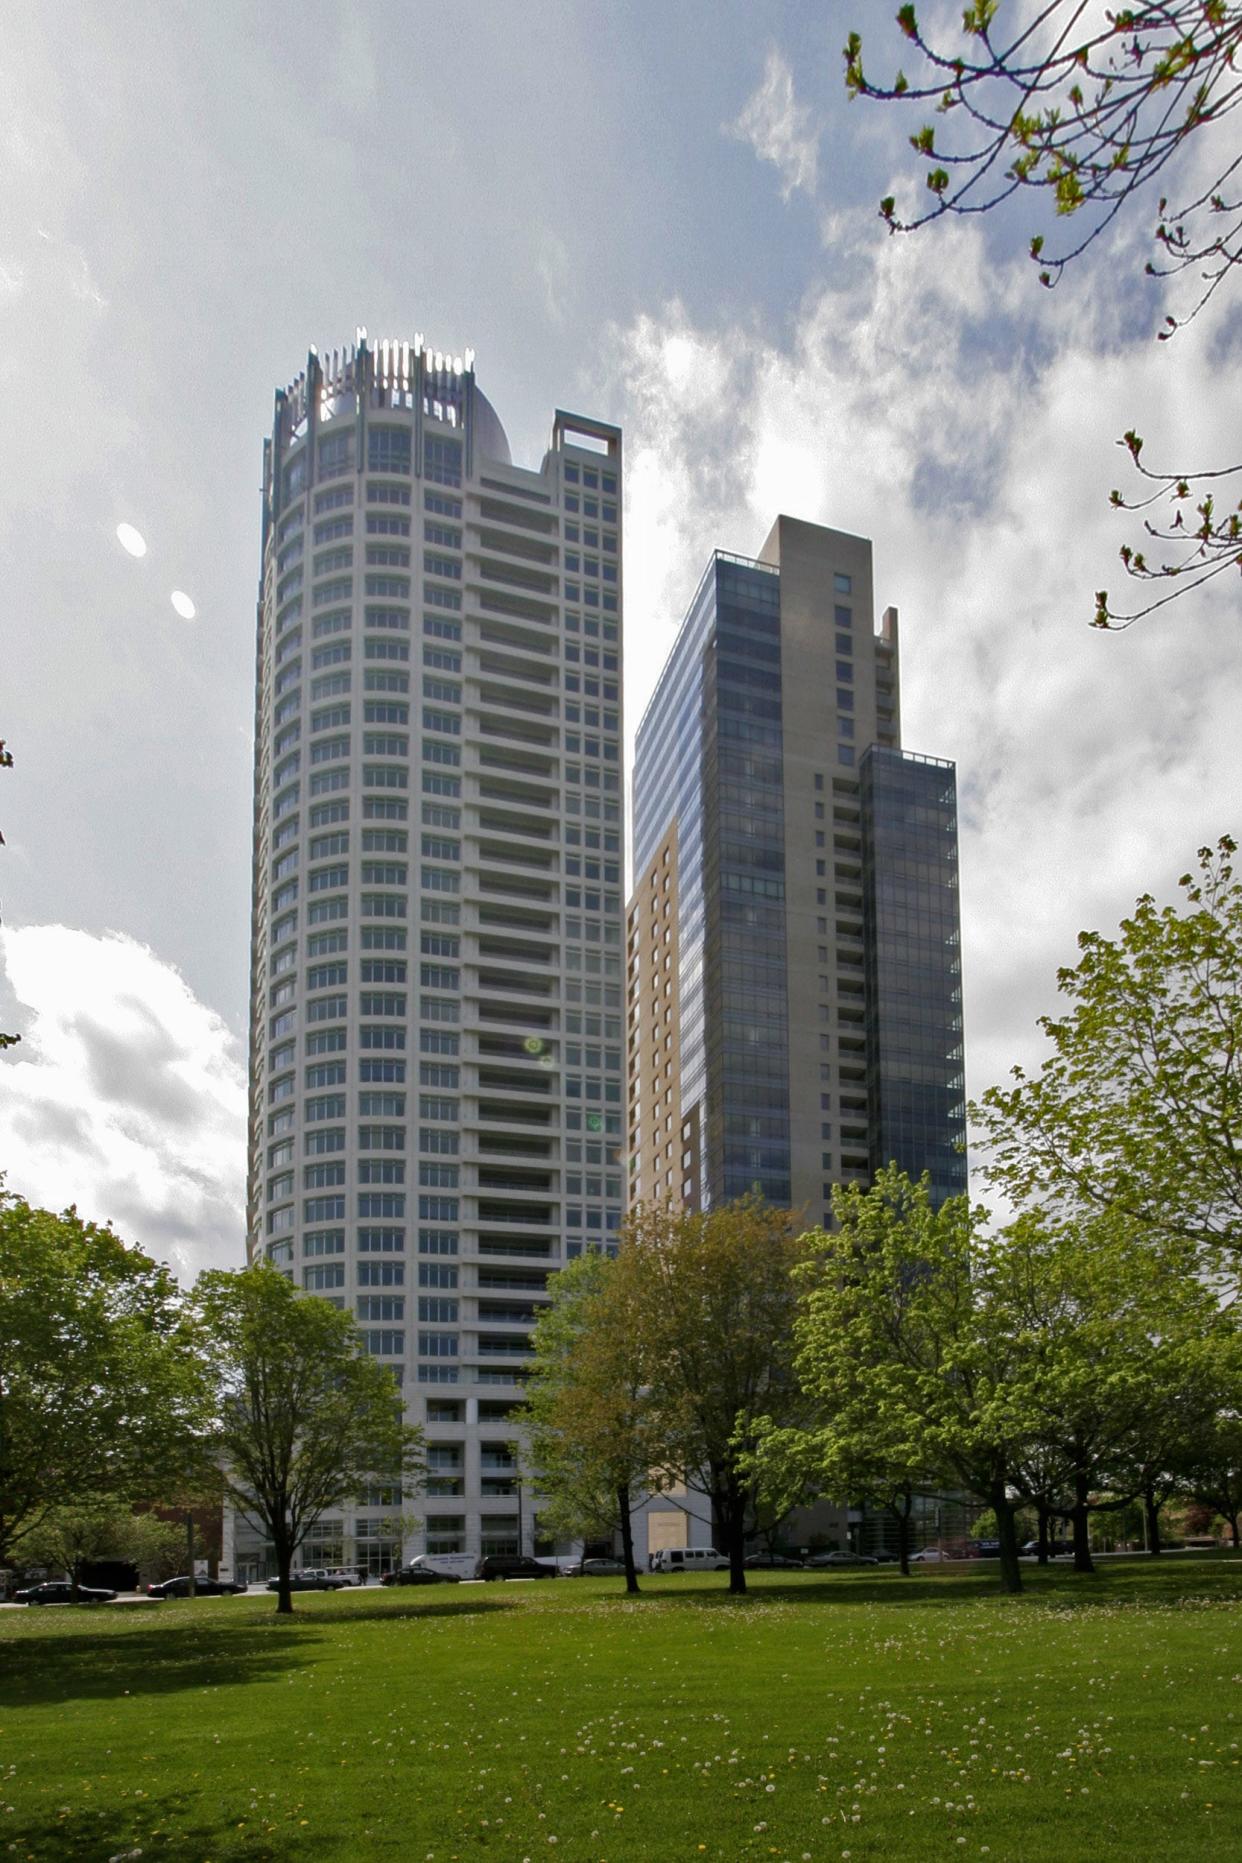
(793,944)
(436,1047)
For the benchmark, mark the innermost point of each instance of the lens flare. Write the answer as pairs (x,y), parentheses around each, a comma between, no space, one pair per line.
(131,540)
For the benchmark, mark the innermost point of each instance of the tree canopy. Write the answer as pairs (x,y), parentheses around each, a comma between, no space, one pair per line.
(1138,1108)
(587,1421)
(1080,109)
(712,1303)
(101,1392)
(303,1417)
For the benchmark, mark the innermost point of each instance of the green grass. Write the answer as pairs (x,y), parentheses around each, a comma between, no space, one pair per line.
(834,1716)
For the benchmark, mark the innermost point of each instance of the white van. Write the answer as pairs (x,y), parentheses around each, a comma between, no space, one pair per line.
(448,1565)
(689,1559)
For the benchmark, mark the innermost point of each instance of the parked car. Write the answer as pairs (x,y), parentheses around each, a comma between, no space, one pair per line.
(310,1581)
(203,1587)
(1057,1549)
(689,1559)
(417,1575)
(818,1561)
(348,1574)
(771,1562)
(512,1565)
(60,1591)
(930,1555)
(596,1567)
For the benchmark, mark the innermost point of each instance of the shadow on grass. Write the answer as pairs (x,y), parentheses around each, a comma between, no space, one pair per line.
(163,1656)
(163,1824)
(403,1606)
(1156,1581)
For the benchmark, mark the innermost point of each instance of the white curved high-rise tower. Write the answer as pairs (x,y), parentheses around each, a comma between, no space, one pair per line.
(436,1033)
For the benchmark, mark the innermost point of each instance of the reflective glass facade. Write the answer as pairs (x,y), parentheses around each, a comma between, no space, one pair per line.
(793,954)
(746,1142)
(915,1057)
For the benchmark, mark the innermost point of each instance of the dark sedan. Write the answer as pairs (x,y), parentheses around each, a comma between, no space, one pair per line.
(416,1575)
(310,1581)
(60,1591)
(203,1588)
(771,1562)
(512,1565)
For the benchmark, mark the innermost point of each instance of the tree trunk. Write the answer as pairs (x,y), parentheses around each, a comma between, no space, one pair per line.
(627,1539)
(1151,1509)
(284,1560)
(1044,1514)
(729,1507)
(1232,1521)
(1080,1516)
(903,1535)
(189,1554)
(1007,1530)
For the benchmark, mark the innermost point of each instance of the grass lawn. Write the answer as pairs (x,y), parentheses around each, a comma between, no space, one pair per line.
(838,1715)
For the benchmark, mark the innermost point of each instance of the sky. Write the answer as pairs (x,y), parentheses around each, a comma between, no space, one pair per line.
(661,216)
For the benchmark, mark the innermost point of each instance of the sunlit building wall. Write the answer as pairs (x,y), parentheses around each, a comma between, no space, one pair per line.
(436,1041)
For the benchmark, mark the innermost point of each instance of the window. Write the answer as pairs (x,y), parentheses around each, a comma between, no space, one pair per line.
(335,454)
(437,1309)
(437,1345)
(442,459)
(381,1307)
(437,1242)
(437,1274)
(388,449)
(332,1275)
(381,1274)
(842,584)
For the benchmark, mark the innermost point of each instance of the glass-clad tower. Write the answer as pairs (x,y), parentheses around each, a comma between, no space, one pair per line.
(436,1018)
(793,951)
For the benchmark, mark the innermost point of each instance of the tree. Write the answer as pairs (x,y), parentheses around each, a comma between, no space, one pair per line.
(303,1417)
(102,1396)
(585,1412)
(1138,1109)
(826,1454)
(711,1302)
(69,1538)
(1121,1361)
(1213,1473)
(907,1343)
(1086,108)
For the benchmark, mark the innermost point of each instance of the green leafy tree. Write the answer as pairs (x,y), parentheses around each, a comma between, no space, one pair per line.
(102,1392)
(1138,1109)
(1120,1364)
(711,1303)
(586,1416)
(69,1538)
(1213,1471)
(303,1417)
(907,1344)
(1078,109)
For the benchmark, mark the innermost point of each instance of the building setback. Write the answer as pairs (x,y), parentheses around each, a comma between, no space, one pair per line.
(436,1096)
(793,943)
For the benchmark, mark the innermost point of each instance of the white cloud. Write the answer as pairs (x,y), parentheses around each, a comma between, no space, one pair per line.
(126,1096)
(965,422)
(779,129)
